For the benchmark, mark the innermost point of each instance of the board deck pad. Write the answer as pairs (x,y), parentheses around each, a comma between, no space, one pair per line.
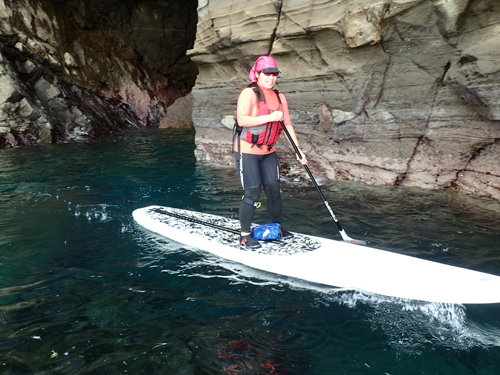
(198,226)
(323,261)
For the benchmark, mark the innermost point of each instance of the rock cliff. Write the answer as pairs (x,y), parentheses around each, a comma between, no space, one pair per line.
(391,92)
(73,70)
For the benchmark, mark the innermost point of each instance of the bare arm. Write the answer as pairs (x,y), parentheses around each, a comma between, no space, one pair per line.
(293,135)
(291,131)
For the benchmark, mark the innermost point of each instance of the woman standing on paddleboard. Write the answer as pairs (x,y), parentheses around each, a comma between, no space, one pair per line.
(260,115)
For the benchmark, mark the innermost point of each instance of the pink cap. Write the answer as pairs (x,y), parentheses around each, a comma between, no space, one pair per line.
(264,64)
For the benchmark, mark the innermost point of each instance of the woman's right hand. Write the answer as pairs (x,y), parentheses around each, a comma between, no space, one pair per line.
(276,116)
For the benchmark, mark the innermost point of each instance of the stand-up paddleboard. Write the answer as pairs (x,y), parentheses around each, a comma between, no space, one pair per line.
(324,261)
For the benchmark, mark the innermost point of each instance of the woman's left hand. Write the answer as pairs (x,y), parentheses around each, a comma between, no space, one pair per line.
(304,158)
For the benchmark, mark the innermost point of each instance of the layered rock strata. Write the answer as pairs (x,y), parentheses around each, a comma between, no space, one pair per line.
(390,92)
(73,70)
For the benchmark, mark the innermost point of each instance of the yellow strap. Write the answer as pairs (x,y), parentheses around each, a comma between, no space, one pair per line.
(256,204)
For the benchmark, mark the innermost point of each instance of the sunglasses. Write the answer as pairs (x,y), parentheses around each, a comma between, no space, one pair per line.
(275,74)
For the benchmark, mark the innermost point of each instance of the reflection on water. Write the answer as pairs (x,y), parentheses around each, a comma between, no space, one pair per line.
(84,290)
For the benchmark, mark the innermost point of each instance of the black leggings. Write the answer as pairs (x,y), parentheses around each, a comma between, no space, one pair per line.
(256,171)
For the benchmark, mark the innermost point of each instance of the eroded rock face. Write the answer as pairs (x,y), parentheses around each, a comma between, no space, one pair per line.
(393,92)
(72,69)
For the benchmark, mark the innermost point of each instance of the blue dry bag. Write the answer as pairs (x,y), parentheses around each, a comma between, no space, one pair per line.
(267,232)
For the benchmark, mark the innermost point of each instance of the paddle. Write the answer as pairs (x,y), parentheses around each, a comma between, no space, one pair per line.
(345,237)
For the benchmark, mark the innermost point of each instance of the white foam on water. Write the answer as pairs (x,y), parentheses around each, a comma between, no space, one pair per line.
(412,325)
(97,212)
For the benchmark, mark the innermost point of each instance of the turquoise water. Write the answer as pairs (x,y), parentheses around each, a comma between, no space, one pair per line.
(83,290)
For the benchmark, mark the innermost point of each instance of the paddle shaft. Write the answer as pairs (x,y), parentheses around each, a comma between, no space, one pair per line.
(194,220)
(345,237)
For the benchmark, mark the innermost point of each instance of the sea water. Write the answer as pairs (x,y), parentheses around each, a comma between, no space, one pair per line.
(84,290)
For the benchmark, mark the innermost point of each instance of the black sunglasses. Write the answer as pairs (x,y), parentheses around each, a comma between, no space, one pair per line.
(270,74)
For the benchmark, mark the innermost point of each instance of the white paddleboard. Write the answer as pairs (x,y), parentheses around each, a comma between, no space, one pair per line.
(324,261)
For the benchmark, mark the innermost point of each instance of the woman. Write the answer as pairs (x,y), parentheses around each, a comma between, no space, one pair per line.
(261,112)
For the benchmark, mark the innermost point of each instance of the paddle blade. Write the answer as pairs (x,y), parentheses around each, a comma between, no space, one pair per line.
(357,242)
(346,238)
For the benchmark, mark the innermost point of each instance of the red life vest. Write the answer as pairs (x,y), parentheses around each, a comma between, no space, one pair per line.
(265,134)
